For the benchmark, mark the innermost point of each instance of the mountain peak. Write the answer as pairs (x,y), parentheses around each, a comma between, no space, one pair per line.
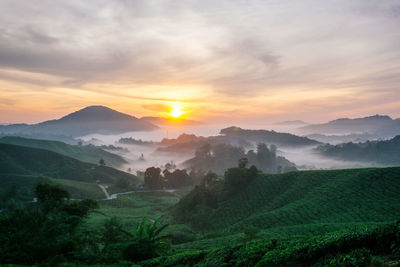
(96,113)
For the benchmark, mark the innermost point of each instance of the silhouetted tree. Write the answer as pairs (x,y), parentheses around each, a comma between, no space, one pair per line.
(243,162)
(153,178)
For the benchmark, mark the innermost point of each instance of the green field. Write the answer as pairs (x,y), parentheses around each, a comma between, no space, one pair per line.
(302,218)
(272,218)
(21,168)
(301,198)
(89,154)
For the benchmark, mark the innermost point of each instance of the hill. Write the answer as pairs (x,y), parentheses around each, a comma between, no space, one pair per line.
(382,126)
(189,143)
(378,152)
(92,119)
(90,153)
(268,137)
(23,165)
(296,200)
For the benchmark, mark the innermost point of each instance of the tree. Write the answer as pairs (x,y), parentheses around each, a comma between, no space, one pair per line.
(152,178)
(209,178)
(50,196)
(179,178)
(243,162)
(47,232)
(147,241)
(102,162)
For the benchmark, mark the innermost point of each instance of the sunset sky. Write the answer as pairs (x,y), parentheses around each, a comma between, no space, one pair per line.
(250,61)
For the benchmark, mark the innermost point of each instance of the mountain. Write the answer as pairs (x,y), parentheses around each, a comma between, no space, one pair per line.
(268,137)
(19,163)
(336,139)
(384,126)
(92,119)
(160,121)
(89,153)
(378,152)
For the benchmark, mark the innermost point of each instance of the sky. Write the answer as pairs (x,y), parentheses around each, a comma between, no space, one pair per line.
(217,61)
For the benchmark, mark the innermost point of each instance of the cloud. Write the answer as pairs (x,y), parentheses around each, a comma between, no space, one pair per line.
(240,51)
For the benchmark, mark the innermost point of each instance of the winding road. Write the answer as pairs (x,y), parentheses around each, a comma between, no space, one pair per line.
(114,196)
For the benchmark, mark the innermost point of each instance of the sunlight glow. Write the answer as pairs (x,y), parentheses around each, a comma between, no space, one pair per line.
(176,112)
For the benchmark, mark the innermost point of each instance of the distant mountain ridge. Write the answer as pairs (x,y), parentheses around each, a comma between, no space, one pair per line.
(384,152)
(382,125)
(92,119)
(268,137)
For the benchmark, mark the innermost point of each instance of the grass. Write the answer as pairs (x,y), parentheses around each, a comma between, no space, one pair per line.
(89,154)
(304,198)
(300,218)
(26,183)
(131,208)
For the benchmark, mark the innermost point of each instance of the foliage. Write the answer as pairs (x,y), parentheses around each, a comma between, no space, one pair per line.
(219,157)
(152,178)
(147,241)
(47,231)
(295,199)
(89,153)
(381,152)
(18,160)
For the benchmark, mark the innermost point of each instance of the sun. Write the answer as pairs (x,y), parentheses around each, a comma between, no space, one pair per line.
(176,112)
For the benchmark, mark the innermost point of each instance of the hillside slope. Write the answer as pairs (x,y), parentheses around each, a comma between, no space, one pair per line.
(296,198)
(89,154)
(18,164)
(379,152)
(268,137)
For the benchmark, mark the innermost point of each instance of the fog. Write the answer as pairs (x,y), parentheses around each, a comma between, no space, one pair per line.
(307,159)
(140,157)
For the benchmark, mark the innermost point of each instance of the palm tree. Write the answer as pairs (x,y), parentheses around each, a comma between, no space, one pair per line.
(147,241)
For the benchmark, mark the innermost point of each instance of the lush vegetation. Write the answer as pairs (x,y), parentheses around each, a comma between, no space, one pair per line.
(170,177)
(243,218)
(88,153)
(293,199)
(218,158)
(22,167)
(188,143)
(377,246)
(378,152)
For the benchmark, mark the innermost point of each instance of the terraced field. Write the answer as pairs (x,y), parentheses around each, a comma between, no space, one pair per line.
(306,198)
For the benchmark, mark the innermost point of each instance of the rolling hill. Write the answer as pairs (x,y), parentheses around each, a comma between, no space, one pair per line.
(90,154)
(379,152)
(21,165)
(297,199)
(92,119)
